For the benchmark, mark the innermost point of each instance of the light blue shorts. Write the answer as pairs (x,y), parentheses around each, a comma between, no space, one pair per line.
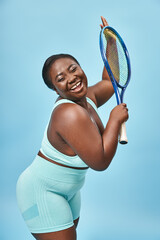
(48,196)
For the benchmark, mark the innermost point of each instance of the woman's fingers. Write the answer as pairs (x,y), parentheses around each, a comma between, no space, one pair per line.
(104,22)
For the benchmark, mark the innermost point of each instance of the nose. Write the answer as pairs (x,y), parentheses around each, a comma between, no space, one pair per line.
(72,79)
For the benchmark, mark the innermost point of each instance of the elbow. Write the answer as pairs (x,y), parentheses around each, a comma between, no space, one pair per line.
(101,168)
(102,165)
(105,160)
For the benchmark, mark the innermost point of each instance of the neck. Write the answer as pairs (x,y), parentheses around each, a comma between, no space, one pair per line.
(82,102)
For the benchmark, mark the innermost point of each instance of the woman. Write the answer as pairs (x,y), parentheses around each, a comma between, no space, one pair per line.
(48,191)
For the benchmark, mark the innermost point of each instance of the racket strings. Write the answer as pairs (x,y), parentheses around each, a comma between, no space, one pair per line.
(116,56)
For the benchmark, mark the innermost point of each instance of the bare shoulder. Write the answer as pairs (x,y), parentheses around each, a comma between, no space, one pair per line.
(68,113)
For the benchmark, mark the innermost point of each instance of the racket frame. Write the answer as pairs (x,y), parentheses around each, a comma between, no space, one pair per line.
(119,96)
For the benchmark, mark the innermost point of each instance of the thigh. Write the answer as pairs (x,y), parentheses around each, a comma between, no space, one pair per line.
(43,210)
(55,213)
(60,211)
(67,234)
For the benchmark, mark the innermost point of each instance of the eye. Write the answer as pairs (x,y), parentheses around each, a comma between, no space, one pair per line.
(73,68)
(60,79)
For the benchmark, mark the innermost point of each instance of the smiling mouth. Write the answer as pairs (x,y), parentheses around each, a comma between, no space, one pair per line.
(77,87)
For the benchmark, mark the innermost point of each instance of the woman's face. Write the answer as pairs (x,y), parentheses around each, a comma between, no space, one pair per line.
(68,79)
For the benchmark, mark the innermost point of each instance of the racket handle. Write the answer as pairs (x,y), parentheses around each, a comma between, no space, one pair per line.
(123,135)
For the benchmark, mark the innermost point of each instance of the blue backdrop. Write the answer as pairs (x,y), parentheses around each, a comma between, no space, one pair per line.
(122,202)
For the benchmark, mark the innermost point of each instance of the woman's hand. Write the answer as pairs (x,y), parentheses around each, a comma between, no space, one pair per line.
(119,113)
(104,22)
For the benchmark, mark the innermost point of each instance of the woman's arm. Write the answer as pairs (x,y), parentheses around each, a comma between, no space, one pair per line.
(74,126)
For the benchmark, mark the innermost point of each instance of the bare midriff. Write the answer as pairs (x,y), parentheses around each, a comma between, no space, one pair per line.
(54,162)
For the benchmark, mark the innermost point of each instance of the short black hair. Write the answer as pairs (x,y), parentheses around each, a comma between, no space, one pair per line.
(47,65)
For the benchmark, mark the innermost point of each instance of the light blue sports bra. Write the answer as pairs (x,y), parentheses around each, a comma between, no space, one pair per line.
(49,151)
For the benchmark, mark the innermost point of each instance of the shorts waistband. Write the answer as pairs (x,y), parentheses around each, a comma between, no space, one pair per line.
(57,172)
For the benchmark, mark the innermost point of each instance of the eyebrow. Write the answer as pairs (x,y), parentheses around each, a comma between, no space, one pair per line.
(61,73)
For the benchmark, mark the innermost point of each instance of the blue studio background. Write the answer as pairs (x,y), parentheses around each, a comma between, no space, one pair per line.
(122,202)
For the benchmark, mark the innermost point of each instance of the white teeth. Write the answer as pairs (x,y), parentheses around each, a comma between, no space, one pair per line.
(76,85)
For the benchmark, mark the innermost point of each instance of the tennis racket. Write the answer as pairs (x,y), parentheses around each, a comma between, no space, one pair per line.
(116,60)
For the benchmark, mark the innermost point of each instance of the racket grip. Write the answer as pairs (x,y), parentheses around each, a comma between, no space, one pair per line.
(123,135)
